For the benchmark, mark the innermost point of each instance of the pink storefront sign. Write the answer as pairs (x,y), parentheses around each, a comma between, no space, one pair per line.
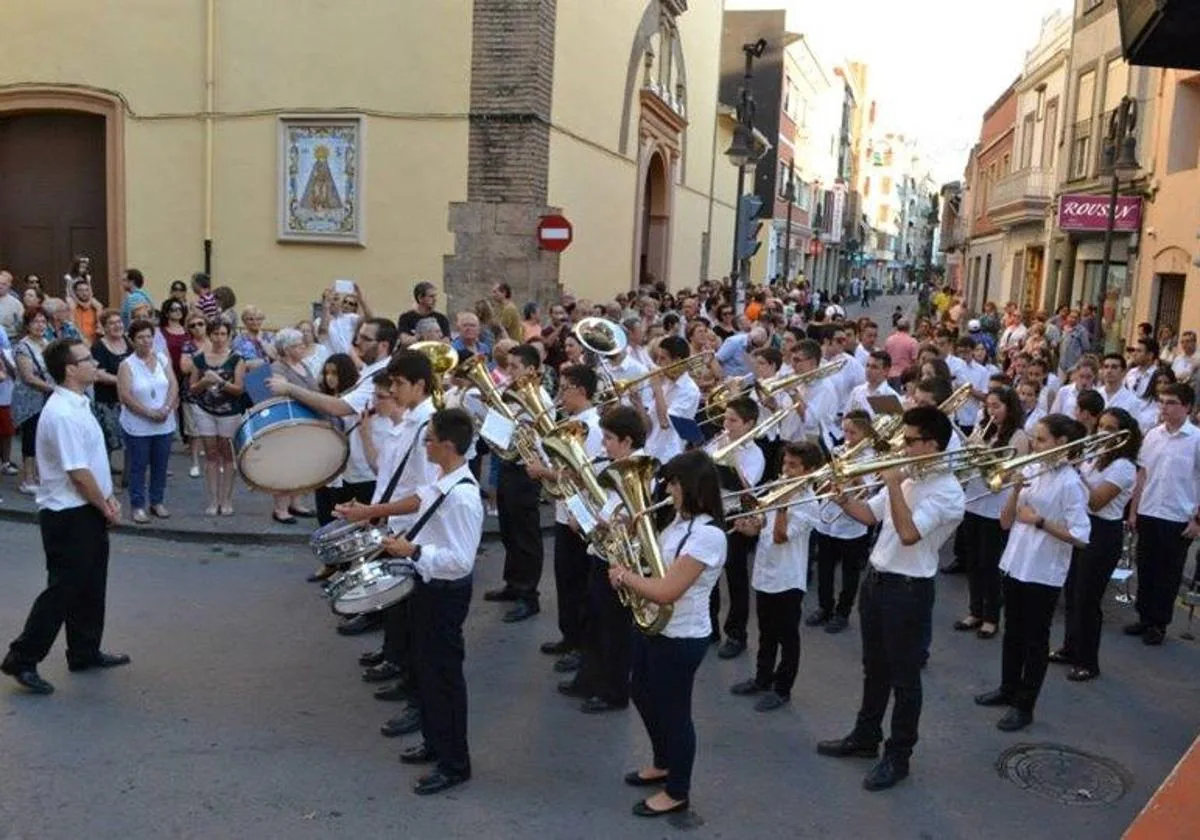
(1090,213)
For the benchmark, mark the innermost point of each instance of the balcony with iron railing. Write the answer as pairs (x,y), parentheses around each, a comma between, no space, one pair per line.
(1021,197)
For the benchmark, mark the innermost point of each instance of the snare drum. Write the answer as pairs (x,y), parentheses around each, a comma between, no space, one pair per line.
(283,446)
(373,586)
(348,543)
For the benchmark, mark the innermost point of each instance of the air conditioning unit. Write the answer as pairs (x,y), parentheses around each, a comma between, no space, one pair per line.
(1160,33)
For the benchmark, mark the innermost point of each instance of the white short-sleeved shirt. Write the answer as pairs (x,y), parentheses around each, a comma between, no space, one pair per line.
(1122,474)
(1032,555)
(683,400)
(360,398)
(449,539)
(1136,379)
(630,368)
(858,396)
(69,438)
(406,438)
(983,503)
(749,462)
(1122,398)
(783,566)
(937,505)
(832,521)
(1033,418)
(1066,400)
(702,539)
(1172,464)
(820,416)
(852,375)
(339,338)
(151,389)
(978,376)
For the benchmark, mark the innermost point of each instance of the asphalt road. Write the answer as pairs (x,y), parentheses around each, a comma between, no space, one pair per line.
(242,715)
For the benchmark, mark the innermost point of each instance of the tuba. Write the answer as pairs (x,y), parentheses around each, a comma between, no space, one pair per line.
(564,449)
(444,359)
(474,370)
(630,479)
(526,394)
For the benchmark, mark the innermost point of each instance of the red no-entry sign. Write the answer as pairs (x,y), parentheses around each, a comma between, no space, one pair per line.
(554,233)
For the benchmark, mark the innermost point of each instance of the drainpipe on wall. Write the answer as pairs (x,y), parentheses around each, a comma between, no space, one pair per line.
(210,44)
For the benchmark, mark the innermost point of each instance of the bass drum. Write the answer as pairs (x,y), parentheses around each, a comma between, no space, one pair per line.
(373,586)
(283,446)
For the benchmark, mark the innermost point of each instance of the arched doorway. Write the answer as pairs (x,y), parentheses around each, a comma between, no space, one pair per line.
(656,222)
(61,185)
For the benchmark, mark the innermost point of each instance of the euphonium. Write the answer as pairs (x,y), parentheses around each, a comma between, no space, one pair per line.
(564,447)
(526,393)
(630,479)
(474,370)
(444,359)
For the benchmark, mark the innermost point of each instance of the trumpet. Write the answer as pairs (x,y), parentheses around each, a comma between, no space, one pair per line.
(630,479)
(444,359)
(619,389)
(1010,472)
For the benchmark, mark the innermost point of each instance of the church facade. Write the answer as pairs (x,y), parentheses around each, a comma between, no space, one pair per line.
(285,145)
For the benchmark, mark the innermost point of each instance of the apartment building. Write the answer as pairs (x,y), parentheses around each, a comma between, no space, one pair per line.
(990,162)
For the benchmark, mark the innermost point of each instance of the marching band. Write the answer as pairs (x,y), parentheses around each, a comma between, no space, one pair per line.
(664,476)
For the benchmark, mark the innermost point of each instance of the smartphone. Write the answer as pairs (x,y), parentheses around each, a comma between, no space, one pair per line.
(343,286)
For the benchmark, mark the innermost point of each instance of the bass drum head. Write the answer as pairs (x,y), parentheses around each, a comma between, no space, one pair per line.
(293,458)
(376,590)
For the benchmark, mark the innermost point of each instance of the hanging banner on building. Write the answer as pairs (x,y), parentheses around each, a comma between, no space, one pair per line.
(1090,213)
(837,215)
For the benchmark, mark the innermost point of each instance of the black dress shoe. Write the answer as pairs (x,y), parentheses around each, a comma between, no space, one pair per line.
(382,672)
(1014,719)
(27,676)
(998,697)
(100,660)
(522,611)
(437,781)
(504,593)
(360,624)
(1081,674)
(641,809)
(747,688)
(1154,636)
(302,513)
(571,688)
(886,773)
(1135,629)
(770,701)
(837,624)
(394,693)
(568,662)
(422,754)
(598,705)
(1061,656)
(321,575)
(731,647)
(848,747)
(817,619)
(371,658)
(558,648)
(634,779)
(408,723)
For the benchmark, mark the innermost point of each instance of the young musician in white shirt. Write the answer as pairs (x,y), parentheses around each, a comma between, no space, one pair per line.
(1047,518)
(918,515)
(876,385)
(441,546)
(841,540)
(780,580)
(743,469)
(76,507)
(1027,393)
(673,395)
(767,362)
(664,666)
(984,539)
(576,388)
(818,406)
(602,681)
(1110,481)
(1167,511)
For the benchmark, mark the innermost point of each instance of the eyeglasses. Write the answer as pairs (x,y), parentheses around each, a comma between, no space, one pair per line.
(86,360)
(909,441)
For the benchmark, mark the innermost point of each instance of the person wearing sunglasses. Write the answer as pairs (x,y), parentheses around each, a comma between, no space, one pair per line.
(76,507)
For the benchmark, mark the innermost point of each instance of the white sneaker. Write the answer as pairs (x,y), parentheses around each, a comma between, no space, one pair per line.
(9,468)
(28,488)
(194,472)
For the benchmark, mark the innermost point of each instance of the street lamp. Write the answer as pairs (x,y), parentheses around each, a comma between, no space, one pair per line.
(1120,159)
(743,153)
(789,195)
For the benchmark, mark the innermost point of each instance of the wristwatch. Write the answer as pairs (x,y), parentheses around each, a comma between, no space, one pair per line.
(416,555)
(1040,524)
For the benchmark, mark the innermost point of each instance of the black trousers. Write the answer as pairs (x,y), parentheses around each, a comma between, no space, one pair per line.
(851,555)
(517,501)
(1161,553)
(663,673)
(608,636)
(960,545)
(438,612)
(1087,581)
(1028,614)
(397,635)
(984,544)
(893,612)
(327,497)
(76,545)
(571,564)
(778,639)
(739,550)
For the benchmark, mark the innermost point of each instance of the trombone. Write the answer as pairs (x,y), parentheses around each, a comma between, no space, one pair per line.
(721,396)
(1010,472)
(619,389)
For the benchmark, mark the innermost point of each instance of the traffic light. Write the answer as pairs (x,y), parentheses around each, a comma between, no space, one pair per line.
(749,226)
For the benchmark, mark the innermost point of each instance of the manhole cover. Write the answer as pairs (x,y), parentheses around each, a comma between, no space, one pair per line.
(1063,774)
